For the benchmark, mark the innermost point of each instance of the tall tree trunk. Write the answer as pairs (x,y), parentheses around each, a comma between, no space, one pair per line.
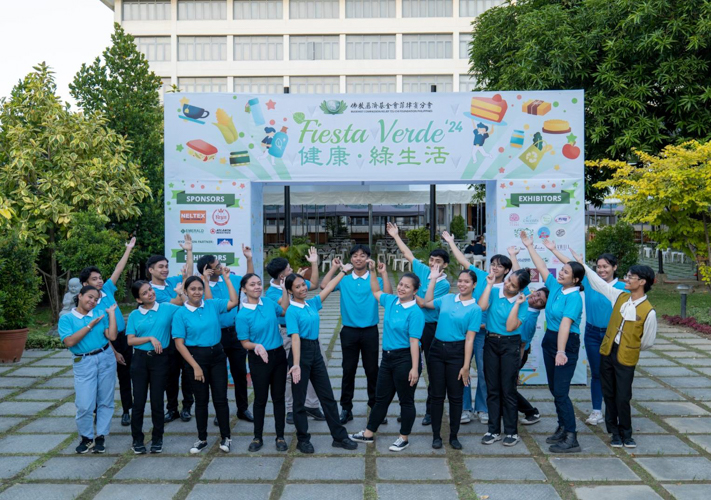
(53,288)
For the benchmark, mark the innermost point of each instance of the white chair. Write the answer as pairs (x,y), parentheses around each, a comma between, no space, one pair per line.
(648,252)
(327,260)
(480,262)
(405,263)
(677,254)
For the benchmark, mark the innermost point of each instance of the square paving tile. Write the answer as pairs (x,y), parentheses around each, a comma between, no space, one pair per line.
(703,440)
(656,395)
(43,491)
(689,491)
(675,409)
(593,469)
(50,425)
(9,422)
(703,395)
(660,445)
(232,468)
(147,467)
(419,445)
(489,469)
(6,392)
(589,444)
(16,381)
(626,492)
(86,467)
(418,491)
(548,425)
(516,491)
(11,466)
(57,382)
(325,469)
(51,361)
(695,381)
(472,446)
(322,491)
(241,443)
(644,383)
(40,443)
(705,371)
(695,361)
(45,394)
(677,468)
(164,491)
(40,371)
(412,469)
(212,491)
(655,362)
(22,408)
(691,425)
(644,425)
(323,446)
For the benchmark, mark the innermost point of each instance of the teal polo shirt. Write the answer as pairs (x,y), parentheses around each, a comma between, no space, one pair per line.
(219,291)
(528,329)
(402,322)
(274,293)
(154,322)
(107,299)
(441,288)
(499,308)
(303,319)
(199,326)
(456,317)
(359,309)
(563,304)
(258,323)
(165,293)
(72,322)
(598,308)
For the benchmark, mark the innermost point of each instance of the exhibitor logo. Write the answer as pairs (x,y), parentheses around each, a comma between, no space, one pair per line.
(220,231)
(563,219)
(518,199)
(193,216)
(221,217)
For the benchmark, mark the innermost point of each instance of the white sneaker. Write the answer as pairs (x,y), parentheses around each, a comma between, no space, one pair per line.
(596,417)
(483,417)
(399,445)
(465,418)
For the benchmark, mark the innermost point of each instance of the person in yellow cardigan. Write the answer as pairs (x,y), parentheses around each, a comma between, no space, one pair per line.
(632,328)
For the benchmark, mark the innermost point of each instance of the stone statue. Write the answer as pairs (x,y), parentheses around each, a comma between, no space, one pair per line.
(74,286)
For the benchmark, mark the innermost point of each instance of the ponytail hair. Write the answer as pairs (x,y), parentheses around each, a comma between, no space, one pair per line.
(523,278)
(136,290)
(471,274)
(242,284)
(578,273)
(85,289)
(415,280)
(289,281)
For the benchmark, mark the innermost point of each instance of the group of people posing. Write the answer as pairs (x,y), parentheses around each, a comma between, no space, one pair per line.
(186,326)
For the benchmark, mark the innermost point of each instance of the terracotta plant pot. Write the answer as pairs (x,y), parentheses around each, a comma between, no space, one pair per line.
(12,345)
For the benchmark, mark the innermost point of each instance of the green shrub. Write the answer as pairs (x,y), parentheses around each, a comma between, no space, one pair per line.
(418,238)
(20,284)
(295,254)
(300,240)
(617,240)
(458,227)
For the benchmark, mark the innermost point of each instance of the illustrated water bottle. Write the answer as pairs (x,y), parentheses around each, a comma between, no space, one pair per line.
(256,109)
(279,143)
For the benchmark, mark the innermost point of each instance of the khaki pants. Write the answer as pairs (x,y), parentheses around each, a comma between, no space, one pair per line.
(311,398)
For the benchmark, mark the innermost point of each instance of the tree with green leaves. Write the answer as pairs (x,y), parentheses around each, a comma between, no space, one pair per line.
(121,85)
(55,163)
(645,66)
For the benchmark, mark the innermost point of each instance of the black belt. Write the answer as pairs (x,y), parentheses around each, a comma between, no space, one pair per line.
(228,329)
(499,336)
(396,351)
(95,351)
(150,353)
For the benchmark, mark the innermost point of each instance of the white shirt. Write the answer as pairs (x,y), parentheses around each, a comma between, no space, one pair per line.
(628,309)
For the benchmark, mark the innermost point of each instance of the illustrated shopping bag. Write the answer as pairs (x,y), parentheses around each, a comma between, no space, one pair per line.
(532,156)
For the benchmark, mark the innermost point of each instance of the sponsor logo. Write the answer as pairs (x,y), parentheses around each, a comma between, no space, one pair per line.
(202,242)
(535,276)
(544,233)
(530,219)
(220,231)
(193,216)
(546,219)
(518,199)
(193,231)
(514,218)
(224,242)
(563,219)
(528,230)
(227,199)
(560,233)
(221,217)
(553,271)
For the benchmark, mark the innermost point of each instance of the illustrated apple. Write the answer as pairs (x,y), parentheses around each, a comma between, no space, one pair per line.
(570,150)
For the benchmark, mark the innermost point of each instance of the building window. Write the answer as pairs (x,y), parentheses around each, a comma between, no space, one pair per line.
(426,8)
(209,84)
(313,48)
(259,48)
(165,87)
(155,48)
(146,10)
(202,10)
(260,84)
(370,46)
(258,9)
(423,83)
(474,8)
(427,46)
(202,48)
(466,83)
(313,9)
(370,84)
(370,8)
(314,85)
(464,40)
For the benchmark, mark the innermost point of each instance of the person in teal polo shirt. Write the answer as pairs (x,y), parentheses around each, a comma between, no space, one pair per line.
(148,332)
(92,276)
(451,352)
(197,335)
(502,353)
(88,334)
(400,367)
(306,360)
(258,330)
(437,257)
(561,343)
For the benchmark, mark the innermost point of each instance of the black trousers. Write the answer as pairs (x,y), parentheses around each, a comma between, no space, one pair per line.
(266,376)
(148,370)
(357,343)
(238,366)
(213,362)
(559,377)
(445,362)
(393,379)
(176,382)
(124,371)
(428,334)
(502,358)
(616,382)
(523,405)
(313,368)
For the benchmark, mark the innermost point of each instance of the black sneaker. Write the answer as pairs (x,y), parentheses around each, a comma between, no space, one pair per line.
(490,438)
(399,445)
(316,414)
(557,436)
(198,447)
(85,445)
(455,444)
(290,418)
(225,444)
(126,419)
(361,438)
(426,420)
(399,419)
(531,419)
(616,441)
(255,445)
(511,440)
(99,446)
(157,446)
(170,415)
(185,415)
(305,447)
(281,444)
(385,421)
(346,444)
(246,415)
(630,443)
(346,416)
(437,443)
(215,422)
(139,448)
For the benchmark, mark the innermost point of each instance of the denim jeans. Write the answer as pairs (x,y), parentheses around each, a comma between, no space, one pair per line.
(480,398)
(94,384)
(559,377)
(593,339)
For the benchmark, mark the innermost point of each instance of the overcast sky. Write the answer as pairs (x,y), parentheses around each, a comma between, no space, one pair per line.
(63,33)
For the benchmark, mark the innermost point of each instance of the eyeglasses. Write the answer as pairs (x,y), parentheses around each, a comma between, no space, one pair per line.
(631,276)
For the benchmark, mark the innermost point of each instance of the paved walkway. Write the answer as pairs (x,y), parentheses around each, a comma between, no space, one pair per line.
(672,421)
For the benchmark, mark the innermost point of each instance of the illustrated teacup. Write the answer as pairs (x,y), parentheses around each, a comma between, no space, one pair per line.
(195,112)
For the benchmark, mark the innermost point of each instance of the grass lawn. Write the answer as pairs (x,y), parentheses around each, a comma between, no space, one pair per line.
(666,300)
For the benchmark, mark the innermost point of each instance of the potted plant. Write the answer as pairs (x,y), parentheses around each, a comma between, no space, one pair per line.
(296,255)
(19,294)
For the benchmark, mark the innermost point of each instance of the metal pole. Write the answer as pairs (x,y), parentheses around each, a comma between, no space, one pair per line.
(370,225)
(287,215)
(433,211)
(661,260)
(683,305)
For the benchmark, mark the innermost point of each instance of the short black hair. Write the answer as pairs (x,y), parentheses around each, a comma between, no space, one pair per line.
(276,266)
(204,261)
(415,280)
(289,281)
(191,280)
(136,288)
(363,248)
(504,261)
(85,289)
(443,254)
(544,290)
(154,259)
(645,273)
(471,274)
(523,278)
(85,273)
(610,259)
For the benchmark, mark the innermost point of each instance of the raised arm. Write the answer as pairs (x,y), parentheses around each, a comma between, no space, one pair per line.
(512,321)
(234,296)
(428,302)
(179,298)
(597,283)
(206,275)
(484,299)
(312,258)
(334,282)
(537,261)
(374,285)
(112,331)
(463,261)
(513,255)
(284,299)
(383,272)
(247,252)
(550,245)
(332,271)
(395,233)
(187,245)
(121,265)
